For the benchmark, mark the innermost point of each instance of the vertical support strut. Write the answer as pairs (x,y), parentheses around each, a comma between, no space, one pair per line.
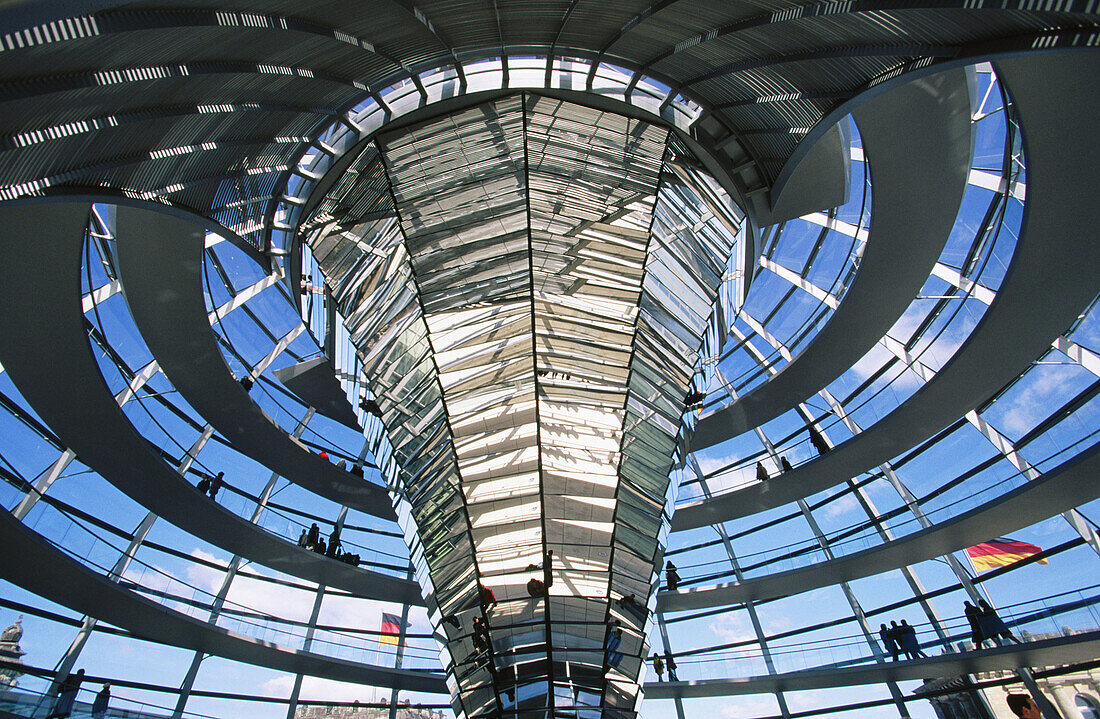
(69,659)
(750,605)
(400,647)
(230,573)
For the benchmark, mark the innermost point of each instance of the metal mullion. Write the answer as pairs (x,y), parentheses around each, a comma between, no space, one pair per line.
(1072,516)
(1008,451)
(42,484)
(230,573)
(68,660)
(295,692)
(100,294)
(401,640)
(668,646)
(999,202)
(547,570)
(750,605)
(808,263)
(876,519)
(625,413)
(857,610)
(442,400)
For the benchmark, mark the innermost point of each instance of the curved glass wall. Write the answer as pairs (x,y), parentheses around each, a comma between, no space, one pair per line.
(269,318)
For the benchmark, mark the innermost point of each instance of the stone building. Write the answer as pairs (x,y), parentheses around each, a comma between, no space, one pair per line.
(1075,694)
(373,711)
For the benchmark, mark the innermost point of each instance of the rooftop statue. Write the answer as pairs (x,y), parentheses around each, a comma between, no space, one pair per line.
(10,651)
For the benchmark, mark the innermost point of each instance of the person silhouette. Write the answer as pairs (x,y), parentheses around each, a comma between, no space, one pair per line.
(66,695)
(216,484)
(889,642)
(974,619)
(909,643)
(992,626)
(102,700)
(672,577)
(614,639)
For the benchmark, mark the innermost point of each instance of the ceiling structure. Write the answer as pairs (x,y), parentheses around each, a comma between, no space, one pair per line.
(535,225)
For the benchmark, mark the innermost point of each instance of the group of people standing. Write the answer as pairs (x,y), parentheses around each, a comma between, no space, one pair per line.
(211,485)
(985,625)
(659,665)
(762,471)
(312,540)
(897,639)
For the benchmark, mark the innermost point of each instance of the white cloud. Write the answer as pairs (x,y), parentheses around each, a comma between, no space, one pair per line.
(777,625)
(739,708)
(731,627)
(840,506)
(942,349)
(1028,406)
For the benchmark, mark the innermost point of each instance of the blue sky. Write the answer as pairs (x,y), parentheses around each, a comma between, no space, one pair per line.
(1044,388)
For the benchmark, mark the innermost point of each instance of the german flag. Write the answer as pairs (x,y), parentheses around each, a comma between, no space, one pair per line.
(391,628)
(1000,552)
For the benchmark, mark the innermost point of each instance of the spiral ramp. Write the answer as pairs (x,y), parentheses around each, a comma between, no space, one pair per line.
(521,236)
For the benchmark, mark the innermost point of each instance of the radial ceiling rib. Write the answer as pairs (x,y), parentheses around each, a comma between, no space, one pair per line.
(160,262)
(934,116)
(424,230)
(1053,277)
(1062,488)
(31,563)
(38,86)
(43,320)
(548,571)
(117,21)
(90,124)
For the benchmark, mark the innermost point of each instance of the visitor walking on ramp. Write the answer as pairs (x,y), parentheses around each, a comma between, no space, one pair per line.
(672,577)
(889,641)
(66,695)
(974,619)
(99,706)
(671,664)
(992,626)
(909,643)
